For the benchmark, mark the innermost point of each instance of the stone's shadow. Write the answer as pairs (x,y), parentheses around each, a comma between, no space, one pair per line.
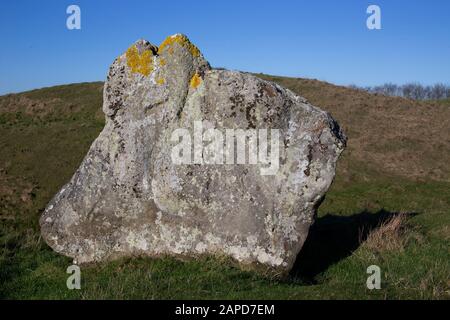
(332,238)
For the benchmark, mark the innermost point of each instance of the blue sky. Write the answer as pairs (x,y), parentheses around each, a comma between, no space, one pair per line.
(326,40)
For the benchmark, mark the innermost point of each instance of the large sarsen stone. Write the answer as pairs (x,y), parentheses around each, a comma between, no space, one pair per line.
(132,196)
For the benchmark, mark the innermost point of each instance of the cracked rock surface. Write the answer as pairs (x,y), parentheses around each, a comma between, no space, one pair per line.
(129,198)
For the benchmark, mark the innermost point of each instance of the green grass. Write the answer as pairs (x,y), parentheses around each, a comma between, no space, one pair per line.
(41,151)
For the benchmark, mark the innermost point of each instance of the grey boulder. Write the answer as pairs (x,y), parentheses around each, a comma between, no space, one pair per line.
(131,195)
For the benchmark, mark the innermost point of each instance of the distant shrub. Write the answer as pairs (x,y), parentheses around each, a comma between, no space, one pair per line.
(415,91)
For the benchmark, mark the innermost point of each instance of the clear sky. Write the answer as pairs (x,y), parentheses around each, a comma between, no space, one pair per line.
(326,40)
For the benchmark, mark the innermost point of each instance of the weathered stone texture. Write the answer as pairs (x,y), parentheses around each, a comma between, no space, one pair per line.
(129,198)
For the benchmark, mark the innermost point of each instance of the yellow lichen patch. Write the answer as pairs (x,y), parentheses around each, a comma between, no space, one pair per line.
(160,81)
(182,40)
(162,62)
(139,63)
(195,80)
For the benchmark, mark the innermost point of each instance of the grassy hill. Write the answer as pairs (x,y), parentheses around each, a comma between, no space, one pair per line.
(389,205)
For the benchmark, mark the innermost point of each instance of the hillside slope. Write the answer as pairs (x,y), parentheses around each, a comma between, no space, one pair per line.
(396,161)
(391,135)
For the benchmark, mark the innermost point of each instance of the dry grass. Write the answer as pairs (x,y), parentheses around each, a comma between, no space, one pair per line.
(390,235)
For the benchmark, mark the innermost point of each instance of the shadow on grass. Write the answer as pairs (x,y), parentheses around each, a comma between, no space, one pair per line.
(332,238)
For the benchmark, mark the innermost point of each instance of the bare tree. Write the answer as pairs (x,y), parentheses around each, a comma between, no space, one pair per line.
(407,90)
(438,91)
(390,89)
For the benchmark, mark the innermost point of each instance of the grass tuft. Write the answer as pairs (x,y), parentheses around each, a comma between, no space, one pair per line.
(391,235)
